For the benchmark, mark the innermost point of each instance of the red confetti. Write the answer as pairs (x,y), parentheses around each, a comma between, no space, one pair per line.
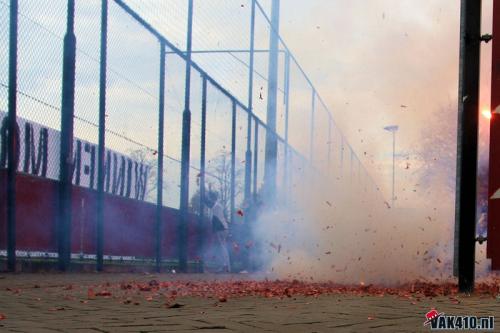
(90,293)
(223,290)
(240,212)
(104,293)
(144,288)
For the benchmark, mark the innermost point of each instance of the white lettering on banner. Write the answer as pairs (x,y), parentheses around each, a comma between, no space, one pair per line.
(38,155)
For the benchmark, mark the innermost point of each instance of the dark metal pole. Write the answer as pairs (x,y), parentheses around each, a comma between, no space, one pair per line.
(185,155)
(393,165)
(202,161)
(341,155)
(248,154)
(350,166)
(359,170)
(256,158)
(159,180)
(329,154)
(287,113)
(465,217)
(272,91)
(66,144)
(12,144)
(233,162)
(102,136)
(311,134)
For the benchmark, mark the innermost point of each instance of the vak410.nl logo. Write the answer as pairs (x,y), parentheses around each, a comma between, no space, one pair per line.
(439,321)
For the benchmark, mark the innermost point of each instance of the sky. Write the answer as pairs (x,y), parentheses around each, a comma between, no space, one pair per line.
(382,62)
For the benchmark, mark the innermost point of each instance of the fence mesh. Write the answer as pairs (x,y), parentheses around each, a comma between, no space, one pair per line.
(306,136)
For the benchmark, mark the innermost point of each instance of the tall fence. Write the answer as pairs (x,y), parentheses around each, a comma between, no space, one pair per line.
(153,103)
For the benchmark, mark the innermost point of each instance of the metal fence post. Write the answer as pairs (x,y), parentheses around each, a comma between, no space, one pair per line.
(66,144)
(350,165)
(329,154)
(311,134)
(233,161)
(271,152)
(465,215)
(102,136)
(341,150)
(202,161)
(359,170)
(185,155)
(256,158)
(12,125)
(248,154)
(287,113)
(159,178)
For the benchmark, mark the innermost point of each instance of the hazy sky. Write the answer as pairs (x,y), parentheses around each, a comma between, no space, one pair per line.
(369,59)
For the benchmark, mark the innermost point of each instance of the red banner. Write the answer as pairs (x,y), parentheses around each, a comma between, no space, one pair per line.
(129,227)
(493,249)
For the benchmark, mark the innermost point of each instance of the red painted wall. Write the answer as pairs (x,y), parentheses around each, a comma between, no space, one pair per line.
(493,244)
(128,224)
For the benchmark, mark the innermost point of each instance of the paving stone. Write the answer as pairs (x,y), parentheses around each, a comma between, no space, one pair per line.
(41,309)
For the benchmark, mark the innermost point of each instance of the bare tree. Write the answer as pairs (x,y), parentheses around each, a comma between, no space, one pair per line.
(148,157)
(218,178)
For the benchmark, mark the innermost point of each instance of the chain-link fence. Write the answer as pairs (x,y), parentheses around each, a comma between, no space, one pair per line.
(149,138)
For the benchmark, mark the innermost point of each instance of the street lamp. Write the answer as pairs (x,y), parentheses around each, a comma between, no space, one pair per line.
(393,129)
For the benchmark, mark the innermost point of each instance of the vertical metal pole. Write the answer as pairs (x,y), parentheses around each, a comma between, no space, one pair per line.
(311,134)
(341,155)
(272,93)
(287,113)
(350,165)
(233,162)
(13,158)
(185,155)
(66,144)
(202,160)
(248,154)
(256,158)
(393,165)
(465,217)
(329,154)
(159,185)
(359,170)
(101,148)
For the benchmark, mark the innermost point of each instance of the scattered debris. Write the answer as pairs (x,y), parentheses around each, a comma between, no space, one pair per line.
(174,306)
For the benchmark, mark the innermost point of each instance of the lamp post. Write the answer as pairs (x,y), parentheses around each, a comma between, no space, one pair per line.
(393,129)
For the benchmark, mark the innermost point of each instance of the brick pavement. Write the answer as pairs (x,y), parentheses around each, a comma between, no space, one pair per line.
(60,303)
